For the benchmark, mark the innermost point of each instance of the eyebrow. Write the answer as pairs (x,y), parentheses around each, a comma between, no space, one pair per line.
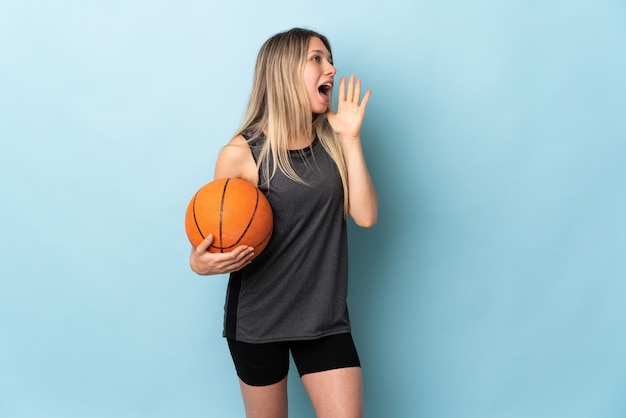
(319,51)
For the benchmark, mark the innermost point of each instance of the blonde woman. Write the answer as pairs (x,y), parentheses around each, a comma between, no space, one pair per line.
(308,160)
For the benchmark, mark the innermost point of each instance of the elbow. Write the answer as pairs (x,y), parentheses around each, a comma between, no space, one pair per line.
(366,221)
(364,215)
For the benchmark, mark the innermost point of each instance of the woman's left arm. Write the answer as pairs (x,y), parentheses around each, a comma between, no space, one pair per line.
(347,124)
(363,199)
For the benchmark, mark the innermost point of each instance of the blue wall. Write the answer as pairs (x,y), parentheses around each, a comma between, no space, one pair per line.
(492,286)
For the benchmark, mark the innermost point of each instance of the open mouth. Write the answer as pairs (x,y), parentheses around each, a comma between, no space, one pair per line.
(325,90)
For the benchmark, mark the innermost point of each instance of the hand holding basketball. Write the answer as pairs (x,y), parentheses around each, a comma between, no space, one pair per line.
(207,263)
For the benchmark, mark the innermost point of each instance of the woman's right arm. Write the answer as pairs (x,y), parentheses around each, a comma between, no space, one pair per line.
(234,161)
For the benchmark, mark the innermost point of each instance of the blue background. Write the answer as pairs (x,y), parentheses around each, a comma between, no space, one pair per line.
(492,286)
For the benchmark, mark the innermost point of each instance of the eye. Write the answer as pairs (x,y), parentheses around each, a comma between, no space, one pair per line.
(316,58)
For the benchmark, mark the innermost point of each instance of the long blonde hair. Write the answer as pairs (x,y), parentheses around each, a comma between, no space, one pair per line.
(279,105)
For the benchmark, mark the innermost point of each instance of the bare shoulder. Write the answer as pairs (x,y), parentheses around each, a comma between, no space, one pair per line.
(235,160)
(237,150)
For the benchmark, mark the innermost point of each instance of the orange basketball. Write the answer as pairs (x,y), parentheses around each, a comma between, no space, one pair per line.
(234,211)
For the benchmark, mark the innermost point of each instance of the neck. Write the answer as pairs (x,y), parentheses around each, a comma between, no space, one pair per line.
(299,142)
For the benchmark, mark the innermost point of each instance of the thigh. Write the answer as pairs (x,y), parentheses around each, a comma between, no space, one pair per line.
(331,373)
(260,364)
(327,353)
(336,393)
(265,401)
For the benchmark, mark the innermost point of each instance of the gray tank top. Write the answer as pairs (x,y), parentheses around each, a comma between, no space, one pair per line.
(297,288)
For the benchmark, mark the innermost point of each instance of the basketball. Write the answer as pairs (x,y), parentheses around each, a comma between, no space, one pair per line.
(234,211)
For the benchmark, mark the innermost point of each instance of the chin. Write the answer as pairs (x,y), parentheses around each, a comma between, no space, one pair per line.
(318,110)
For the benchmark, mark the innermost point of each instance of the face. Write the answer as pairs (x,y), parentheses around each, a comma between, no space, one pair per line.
(318,75)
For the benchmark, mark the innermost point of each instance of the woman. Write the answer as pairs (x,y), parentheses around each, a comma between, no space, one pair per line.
(309,162)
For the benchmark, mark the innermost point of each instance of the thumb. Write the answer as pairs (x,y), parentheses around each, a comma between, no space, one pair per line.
(205,244)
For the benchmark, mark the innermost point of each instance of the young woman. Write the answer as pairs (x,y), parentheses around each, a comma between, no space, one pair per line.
(308,161)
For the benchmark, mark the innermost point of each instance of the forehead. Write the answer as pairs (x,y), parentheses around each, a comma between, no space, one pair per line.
(316,44)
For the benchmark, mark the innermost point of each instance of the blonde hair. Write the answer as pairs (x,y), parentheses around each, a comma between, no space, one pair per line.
(279,105)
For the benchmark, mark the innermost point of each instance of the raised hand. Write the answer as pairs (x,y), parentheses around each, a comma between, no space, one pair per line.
(350,108)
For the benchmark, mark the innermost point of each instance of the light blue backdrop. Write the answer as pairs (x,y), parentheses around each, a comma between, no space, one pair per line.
(493,285)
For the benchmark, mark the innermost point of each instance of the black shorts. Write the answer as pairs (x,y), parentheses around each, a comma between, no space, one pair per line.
(268,363)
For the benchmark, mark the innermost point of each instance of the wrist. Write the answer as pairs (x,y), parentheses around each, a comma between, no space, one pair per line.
(349,138)
(349,142)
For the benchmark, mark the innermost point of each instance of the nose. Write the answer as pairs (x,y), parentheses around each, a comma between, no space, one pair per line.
(330,69)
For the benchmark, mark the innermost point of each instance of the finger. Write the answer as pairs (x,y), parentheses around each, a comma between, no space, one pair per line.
(357,91)
(243,259)
(350,94)
(205,244)
(242,253)
(366,99)
(341,96)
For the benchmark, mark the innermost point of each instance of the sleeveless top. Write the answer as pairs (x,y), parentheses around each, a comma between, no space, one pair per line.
(296,289)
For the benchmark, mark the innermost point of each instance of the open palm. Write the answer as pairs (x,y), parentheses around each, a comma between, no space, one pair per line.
(350,108)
